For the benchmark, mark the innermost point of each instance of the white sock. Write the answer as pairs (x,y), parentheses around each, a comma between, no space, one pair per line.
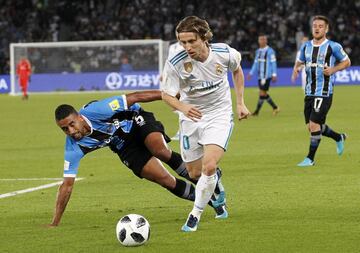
(204,189)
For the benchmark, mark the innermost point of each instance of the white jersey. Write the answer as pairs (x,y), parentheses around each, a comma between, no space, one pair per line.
(203,84)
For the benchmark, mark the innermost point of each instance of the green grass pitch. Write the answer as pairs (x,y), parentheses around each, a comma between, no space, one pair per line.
(274,206)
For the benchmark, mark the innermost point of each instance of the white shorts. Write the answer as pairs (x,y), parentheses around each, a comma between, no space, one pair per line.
(194,135)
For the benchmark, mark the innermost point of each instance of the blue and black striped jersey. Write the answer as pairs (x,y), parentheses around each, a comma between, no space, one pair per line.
(315,58)
(264,63)
(104,117)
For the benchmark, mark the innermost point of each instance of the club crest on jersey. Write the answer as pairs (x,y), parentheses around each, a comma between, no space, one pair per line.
(188,67)
(114,105)
(218,69)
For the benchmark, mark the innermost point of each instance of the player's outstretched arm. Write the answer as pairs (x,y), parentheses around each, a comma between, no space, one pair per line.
(238,78)
(143,96)
(62,199)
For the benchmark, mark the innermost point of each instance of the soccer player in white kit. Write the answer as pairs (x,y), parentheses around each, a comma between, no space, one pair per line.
(199,73)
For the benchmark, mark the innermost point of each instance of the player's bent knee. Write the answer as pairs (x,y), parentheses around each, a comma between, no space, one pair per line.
(209,167)
(162,154)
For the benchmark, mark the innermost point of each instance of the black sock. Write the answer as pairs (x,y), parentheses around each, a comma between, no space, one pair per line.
(260,103)
(271,102)
(314,144)
(328,132)
(177,164)
(175,160)
(184,190)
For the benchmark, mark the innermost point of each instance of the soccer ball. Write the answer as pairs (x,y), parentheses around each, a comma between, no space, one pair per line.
(133,230)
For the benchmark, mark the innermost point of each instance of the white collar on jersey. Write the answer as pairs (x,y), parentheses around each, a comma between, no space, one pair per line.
(264,48)
(312,43)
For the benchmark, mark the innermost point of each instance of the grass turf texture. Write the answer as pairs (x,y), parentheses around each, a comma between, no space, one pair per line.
(274,206)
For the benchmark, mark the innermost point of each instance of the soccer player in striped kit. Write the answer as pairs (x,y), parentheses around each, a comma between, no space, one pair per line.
(265,67)
(322,58)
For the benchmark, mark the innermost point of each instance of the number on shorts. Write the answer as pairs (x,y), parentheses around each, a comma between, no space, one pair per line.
(186,144)
(317,103)
(139,120)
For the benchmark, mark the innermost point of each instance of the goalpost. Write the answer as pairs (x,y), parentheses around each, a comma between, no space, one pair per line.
(90,65)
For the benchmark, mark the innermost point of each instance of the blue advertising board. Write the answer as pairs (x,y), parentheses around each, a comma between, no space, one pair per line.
(140,80)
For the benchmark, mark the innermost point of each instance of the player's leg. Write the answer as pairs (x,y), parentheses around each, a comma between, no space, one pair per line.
(153,135)
(268,99)
(25,89)
(206,185)
(154,171)
(315,111)
(207,142)
(328,132)
(339,138)
(261,99)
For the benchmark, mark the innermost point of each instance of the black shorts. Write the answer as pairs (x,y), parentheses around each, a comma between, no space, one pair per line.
(316,108)
(134,154)
(264,86)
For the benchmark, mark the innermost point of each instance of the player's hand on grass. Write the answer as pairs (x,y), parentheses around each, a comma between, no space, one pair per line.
(242,111)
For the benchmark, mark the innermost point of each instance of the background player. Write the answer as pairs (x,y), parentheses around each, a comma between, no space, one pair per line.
(132,133)
(23,71)
(265,67)
(199,73)
(322,58)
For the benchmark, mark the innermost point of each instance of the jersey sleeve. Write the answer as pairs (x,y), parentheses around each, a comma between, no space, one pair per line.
(73,155)
(339,53)
(301,54)
(273,62)
(106,108)
(235,59)
(171,80)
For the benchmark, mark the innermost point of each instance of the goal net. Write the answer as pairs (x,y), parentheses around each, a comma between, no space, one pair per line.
(89,65)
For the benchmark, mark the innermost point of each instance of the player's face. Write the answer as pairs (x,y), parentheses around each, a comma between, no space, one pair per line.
(319,29)
(194,45)
(262,41)
(74,126)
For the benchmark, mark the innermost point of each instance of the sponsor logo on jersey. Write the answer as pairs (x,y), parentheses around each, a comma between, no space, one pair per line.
(114,105)
(218,69)
(188,67)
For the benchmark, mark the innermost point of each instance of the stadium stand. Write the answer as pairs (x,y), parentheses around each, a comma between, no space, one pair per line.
(234,22)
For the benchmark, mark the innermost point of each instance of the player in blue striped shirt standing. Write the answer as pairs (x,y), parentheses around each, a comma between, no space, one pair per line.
(265,67)
(322,58)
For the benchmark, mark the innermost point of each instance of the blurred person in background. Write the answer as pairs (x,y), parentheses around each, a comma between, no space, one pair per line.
(23,72)
(266,68)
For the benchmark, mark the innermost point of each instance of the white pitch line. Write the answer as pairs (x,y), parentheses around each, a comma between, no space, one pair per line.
(11,194)
(31,179)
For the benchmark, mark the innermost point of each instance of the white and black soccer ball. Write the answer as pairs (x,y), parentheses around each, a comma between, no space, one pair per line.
(133,230)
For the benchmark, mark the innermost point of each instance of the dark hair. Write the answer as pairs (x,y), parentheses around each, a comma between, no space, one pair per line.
(320,17)
(62,111)
(196,25)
